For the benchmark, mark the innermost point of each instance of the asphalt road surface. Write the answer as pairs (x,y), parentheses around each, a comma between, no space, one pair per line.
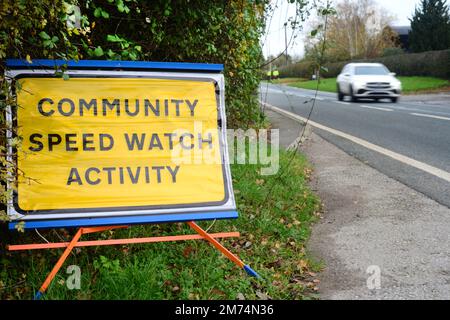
(408,141)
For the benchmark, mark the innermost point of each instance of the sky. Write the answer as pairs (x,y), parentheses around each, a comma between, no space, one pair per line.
(274,39)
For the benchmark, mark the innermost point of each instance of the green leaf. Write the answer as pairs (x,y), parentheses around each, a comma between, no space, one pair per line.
(97,12)
(84,44)
(98,52)
(133,56)
(110,53)
(20,226)
(105,14)
(314,32)
(111,38)
(48,43)
(44,35)
(55,39)
(65,76)
(138,48)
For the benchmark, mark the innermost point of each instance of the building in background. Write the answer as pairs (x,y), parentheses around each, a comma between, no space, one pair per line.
(403,35)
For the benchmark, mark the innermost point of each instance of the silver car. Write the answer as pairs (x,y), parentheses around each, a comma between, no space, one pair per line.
(369,81)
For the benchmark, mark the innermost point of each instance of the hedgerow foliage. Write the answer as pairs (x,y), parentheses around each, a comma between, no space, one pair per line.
(217,31)
(432,63)
(30,29)
(180,30)
(189,31)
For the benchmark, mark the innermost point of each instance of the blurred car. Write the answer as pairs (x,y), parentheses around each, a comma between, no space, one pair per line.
(368,81)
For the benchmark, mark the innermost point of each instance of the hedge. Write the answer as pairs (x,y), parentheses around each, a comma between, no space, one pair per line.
(431,63)
(216,31)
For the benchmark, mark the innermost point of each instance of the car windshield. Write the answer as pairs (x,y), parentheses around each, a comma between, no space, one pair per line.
(371,70)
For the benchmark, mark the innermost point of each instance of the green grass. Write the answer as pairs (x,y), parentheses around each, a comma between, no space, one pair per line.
(272,241)
(410,85)
(324,85)
(420,84)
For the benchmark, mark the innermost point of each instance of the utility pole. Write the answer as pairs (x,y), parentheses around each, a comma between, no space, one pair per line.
(285,42)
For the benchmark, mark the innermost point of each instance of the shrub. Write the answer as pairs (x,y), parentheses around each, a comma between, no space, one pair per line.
(431,64)
(179,30)
(301,69)
(392,52)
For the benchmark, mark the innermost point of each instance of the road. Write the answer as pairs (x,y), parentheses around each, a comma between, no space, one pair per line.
(408,141)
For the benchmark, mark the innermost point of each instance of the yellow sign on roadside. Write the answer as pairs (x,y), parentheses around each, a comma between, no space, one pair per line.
(119,143)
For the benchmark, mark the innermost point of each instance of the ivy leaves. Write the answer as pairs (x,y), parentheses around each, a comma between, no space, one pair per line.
(99,12)
(118,47)
(128,49)
(120,5)
(48,42)
(98,52)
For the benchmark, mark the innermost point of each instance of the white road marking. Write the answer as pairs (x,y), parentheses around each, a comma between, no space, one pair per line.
(394,155)
(310,97)
(342,102)
(376,108)
(306,96)
(430,116)
(414,109)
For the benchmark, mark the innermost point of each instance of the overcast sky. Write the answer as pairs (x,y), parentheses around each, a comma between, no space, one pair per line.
(274,39)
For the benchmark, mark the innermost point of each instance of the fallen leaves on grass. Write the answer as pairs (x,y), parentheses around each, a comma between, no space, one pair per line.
(219,293)
(302,265)
(175,289)
(187,251)
(263,296)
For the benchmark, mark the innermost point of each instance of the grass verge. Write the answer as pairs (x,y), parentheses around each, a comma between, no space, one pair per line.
(286,80)
(272,241)
(411,85)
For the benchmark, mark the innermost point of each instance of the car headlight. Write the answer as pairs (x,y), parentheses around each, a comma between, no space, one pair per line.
(397,85)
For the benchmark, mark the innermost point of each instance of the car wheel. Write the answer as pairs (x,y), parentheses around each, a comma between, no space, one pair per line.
(353,98)
(394,100)
(340,95)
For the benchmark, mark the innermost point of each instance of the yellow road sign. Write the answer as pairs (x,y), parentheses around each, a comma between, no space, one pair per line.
(93,143)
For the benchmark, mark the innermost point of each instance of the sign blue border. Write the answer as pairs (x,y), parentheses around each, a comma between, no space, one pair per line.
(110,64)
(126,66)
(112,221)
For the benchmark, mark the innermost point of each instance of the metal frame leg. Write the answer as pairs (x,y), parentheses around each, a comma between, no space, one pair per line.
(224,250)
(58,264)
(76,243)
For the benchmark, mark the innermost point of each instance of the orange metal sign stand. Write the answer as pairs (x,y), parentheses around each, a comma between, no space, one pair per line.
(202,234)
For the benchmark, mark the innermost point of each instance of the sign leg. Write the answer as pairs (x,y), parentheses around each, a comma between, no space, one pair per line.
(224,250)
(58,264)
